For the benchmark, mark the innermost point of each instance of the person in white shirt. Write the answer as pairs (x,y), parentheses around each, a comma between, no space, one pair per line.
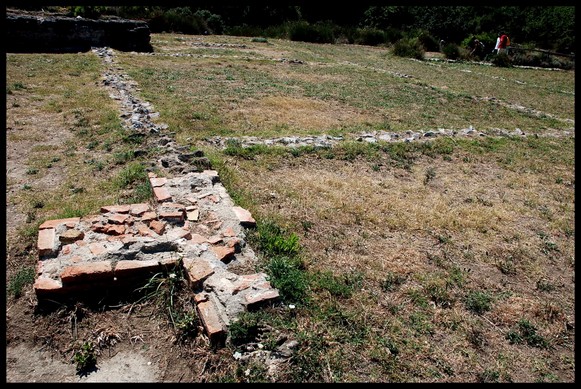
(495,51)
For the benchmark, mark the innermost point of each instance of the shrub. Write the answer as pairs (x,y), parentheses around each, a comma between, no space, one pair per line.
(409,48)
(315,33)
(478,302)
(393,35)
(428,41)
(180,19)
(370,37)
(452,51)
(526,332)
(287,275)
(501,60)
(85,357)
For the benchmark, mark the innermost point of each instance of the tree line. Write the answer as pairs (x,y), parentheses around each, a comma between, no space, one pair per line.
(543,27)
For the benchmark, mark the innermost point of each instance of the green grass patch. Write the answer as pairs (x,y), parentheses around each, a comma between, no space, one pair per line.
(478,302)
(24,277)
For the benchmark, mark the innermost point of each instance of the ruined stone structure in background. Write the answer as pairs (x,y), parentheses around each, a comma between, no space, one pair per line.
(27,33)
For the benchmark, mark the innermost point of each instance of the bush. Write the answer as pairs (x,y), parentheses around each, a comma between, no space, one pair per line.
(179,19)
(370,37)
(501,60)
(522,58)
(393,35)
(409,48)
(452,51)
(315,33)
(428,42)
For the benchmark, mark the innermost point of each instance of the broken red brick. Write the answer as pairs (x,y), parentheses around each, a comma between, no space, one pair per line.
(194,215)
(176,216)
(198,239)
(228,232)
(87,272)
(179,233)
(143,230)
(200,297)
(97,248)
(254,299)
(214,239)
(138,209)
(100,228)
(223,253)
(157,182)
(244,282)
(46,242)
(157,226)
(126,268)
(66,249)
(45,285)
(71,236)
(161,194)
(115,229)
(55,223)
(198,270)
(117,218)
(148,216)
(211,320)
(115,209)
(244,216)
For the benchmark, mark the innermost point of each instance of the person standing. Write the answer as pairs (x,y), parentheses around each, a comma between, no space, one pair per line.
(495,51)
(477,48)
(503,44)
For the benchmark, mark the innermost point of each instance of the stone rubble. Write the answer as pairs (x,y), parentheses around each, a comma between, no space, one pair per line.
(191,222)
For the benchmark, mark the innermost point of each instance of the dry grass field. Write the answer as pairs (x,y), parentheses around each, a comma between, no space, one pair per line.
(447,260)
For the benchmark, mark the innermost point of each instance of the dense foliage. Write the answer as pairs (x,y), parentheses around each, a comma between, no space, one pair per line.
(544,27)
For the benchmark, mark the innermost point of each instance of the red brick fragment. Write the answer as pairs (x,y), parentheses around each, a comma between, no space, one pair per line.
(87,272)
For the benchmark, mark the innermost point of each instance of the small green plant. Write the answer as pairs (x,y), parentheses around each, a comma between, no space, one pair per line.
(288,276)
(507,266)
(439,295)
(478,302)
(392,281)
(274,240)
(545,286)
(132,174)
(20,280)
(526,332)
(489,376)
(163,288)
(123,157)
(32,171)
(18,86)
(338,286)
(307,225)
(85,357)
(245,329)
(430,174)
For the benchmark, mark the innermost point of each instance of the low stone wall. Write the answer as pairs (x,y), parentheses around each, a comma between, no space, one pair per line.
(61,34)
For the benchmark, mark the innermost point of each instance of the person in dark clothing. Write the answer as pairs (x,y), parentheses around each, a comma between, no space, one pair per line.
(477,48)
